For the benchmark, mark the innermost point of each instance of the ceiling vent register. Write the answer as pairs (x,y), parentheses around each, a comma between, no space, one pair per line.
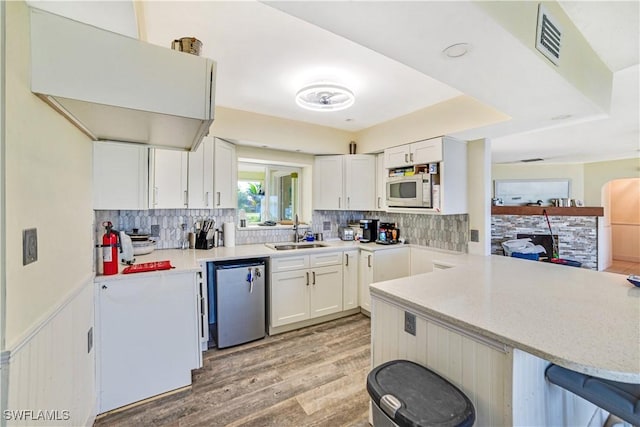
(548,35)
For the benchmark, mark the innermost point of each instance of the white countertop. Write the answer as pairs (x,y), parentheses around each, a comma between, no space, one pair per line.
(188,260)
(581,319)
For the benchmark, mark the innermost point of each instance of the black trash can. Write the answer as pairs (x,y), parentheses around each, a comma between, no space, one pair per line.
(406,394)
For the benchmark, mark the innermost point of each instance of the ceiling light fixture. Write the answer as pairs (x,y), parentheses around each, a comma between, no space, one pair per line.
(325,97)
(457,50)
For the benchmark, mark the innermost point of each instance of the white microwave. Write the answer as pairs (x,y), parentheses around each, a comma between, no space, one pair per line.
(409,191)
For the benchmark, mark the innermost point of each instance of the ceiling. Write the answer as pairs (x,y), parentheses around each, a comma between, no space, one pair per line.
(390,55)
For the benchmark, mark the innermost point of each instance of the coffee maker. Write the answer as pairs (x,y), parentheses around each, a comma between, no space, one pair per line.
(369,230)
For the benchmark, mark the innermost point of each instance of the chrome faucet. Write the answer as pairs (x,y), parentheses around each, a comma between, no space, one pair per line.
(297,237)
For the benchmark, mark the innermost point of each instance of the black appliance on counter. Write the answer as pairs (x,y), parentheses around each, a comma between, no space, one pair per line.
(388,233)
(369,230)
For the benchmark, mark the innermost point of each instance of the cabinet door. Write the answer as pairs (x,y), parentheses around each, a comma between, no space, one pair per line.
(200,181)
(396,157)
(169,179)
(429,151)
(145,325)
(360,182)
(350,279)
(120,176)
(365,279)
(289,292)
(328,189)
(391,264)
(225,178)
(381,183)
(325,291)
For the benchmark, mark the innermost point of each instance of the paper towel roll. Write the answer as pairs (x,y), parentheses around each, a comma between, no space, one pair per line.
(229,230)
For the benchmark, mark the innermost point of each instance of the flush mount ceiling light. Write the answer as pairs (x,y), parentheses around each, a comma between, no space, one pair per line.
(325,97)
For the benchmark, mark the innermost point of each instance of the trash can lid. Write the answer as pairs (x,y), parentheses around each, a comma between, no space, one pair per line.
(426,398)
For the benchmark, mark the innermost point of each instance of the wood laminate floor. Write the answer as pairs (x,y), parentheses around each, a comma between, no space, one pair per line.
(314,376)
(624,267)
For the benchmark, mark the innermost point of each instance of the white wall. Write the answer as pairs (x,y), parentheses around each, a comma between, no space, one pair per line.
(596,175)
(278,134)
(478,189)
(48,187)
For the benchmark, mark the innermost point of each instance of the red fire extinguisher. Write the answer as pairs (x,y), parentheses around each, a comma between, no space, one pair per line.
(109,249)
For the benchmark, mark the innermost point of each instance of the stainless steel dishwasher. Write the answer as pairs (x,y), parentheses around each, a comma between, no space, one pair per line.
(237,311)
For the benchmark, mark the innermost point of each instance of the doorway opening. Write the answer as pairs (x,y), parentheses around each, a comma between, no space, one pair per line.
(621,226)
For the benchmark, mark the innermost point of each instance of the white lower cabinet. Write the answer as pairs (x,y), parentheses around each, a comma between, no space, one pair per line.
(305,287)
(381,265)
(147,336)
(350,279)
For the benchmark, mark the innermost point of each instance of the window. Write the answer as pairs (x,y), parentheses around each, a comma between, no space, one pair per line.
(268,192)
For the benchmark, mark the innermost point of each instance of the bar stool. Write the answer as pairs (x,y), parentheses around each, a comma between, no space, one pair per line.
(619,399)
(406,394)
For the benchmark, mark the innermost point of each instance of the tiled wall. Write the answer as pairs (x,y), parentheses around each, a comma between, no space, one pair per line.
(439,231)
(577,235)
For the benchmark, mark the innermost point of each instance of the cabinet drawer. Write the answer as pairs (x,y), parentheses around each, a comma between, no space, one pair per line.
(289,263)
(320,260)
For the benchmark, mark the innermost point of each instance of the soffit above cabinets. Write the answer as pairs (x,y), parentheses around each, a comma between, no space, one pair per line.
(117,88)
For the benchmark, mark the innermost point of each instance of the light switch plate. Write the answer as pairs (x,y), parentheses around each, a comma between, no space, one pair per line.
(155,230)
(29,246)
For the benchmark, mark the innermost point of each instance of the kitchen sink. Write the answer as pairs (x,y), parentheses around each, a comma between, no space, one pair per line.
(292,246)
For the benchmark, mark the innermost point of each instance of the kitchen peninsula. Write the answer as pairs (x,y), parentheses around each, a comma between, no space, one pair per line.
(492,324)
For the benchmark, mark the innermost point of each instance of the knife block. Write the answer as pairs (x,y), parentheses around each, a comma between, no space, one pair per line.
(204,240)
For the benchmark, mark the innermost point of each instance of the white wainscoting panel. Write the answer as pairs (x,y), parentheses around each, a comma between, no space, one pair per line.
(480,368)
(51,368)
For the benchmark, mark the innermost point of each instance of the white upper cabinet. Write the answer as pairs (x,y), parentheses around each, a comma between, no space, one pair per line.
(360,182)
(168,179)
(120,176)
(201,166)
(327,183)
(381,183)
(345,182)
(225,176)
(429,151)
(449,183)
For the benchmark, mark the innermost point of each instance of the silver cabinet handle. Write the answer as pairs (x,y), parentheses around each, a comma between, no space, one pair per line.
(155,196)
(307,278)
(348,202)
(206,198)
(411,157)
(186,198)
(379,202)
(339,202)
(218,193)
(406,158)
(347,260)
(369,260)
(314,278)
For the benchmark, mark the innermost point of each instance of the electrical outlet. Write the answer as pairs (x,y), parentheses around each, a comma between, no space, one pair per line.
(326,225)
(410,323)
(90,340)
(155,230)
(29,246)
(475,236)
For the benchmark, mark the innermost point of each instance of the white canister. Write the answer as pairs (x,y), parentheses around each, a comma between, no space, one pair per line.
(229,230)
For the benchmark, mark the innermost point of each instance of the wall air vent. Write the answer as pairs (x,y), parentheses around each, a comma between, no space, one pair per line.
(548,35)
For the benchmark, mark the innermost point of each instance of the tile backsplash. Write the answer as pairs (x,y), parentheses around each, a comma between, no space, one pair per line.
(438,231)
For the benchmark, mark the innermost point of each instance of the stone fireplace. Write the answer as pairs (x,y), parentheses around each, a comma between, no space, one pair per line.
(575,230)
